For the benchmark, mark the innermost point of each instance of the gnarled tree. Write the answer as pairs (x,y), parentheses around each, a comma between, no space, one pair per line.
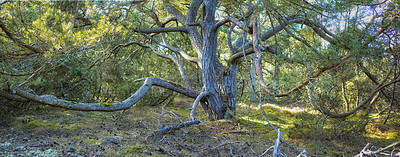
(210,25)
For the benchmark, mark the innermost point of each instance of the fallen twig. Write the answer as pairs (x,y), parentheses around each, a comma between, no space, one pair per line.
(170,128)
(265,152)
(365,152)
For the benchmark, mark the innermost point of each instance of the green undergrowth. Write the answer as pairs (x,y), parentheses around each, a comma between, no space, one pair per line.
(123,133)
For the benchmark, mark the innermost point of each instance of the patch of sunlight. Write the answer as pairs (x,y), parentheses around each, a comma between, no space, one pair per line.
(375,136)
(280,108)
(275,123)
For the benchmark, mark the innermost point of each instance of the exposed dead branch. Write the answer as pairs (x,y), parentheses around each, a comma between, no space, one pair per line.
(11,96)
(266,151)
(366,152)
(276,147)
(171,128)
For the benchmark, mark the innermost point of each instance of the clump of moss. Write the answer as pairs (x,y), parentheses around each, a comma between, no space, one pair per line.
(94,141)
(134,149)
(393,135)
(286,112)
(35,124)
(75,126)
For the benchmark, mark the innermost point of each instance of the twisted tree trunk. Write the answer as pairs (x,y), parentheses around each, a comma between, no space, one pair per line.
(209,60)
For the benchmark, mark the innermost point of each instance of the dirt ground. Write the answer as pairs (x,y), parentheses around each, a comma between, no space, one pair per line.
(33,130)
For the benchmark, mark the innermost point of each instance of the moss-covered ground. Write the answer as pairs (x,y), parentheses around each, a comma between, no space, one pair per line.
(47,131)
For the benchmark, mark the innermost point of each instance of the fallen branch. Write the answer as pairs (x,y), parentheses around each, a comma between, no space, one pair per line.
(170,128)
(366,152)
(11,96)
(266,151)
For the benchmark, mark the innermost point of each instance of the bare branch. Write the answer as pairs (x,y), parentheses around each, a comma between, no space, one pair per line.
(196,102)
(276,147)
(167,45)
(11,96)
(367,152)
(319,29)
(194,35)
(127,103)
(170,128)
(176,58)
(168,21)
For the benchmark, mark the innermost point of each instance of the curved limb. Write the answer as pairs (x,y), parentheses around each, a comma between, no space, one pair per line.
(127,103)
(196,102)
(342,115)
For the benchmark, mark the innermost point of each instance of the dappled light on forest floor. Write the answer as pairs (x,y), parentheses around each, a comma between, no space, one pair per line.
(49,131)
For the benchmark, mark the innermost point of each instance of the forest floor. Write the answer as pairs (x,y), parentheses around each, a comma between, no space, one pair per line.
(48,131)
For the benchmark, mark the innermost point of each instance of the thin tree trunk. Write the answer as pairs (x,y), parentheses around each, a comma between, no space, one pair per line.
(345,97)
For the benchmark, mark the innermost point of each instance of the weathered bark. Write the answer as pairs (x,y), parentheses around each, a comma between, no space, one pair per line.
(209,60)
(11,96)
(229,89)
